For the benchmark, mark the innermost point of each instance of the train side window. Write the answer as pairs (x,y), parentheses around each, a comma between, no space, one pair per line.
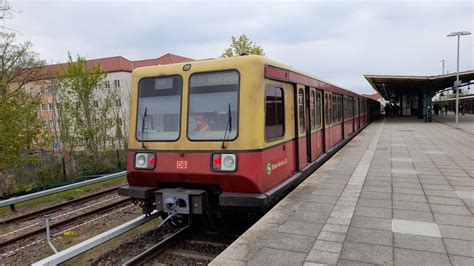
(327,108)
(301,111)
(274,113)
(318,109)
(313,110)
(337,108)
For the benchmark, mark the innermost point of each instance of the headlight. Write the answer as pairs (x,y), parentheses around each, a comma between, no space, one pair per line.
(224,162)
(145,160)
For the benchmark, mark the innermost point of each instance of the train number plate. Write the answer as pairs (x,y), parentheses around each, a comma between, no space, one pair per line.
(182,164)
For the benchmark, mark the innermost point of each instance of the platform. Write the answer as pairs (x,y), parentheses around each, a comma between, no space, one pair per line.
(401,192)
(466,122)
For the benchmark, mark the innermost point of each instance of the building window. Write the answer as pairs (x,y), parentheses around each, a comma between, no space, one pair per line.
(44,107)
(50,107)
(117,83)
(118,103)
(96,104)
(107,84)
(51,123)
(274,113)
(42,90)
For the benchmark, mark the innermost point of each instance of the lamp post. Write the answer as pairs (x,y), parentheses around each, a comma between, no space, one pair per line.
(456,84)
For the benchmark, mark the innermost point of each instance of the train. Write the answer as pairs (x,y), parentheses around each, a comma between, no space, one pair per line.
(235,134)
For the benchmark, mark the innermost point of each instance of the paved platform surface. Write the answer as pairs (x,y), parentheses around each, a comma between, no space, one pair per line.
(401,193)
(466,122)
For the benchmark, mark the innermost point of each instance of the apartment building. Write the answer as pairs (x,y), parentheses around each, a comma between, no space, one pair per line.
(119,72)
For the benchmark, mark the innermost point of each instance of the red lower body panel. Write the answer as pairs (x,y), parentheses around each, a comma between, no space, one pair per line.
(257,171)
(348,127)
(316,144)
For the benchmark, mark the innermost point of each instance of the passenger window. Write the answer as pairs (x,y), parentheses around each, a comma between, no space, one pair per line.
(274,113)
(318,109)
(337,108)
(301,110)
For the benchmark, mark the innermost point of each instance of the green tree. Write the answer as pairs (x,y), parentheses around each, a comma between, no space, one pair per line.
(84,107)
(20,125)
(242,45)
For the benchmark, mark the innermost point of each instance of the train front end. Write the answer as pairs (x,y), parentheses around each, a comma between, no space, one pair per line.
(192,136)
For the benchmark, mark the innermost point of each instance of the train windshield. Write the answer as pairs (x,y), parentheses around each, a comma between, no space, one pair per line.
(159,108)
(210,95)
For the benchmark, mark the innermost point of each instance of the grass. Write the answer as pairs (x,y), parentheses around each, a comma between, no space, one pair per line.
(65,195)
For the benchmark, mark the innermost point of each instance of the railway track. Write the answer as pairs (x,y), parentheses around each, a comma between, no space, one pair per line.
(187,245)
(41,230)
(50,209)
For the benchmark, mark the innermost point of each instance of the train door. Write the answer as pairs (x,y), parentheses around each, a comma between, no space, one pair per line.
(353,114)
(358,114)
(327,120)
(309,107)
(302,142)
(312,136)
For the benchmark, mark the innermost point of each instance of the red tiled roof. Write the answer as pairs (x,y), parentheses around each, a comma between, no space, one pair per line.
(163,60)
(115,64)
(374,96)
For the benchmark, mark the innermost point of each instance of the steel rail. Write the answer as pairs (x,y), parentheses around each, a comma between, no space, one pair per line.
(90,243)
(55,207)
(15,200)
(158,248)
(60,223)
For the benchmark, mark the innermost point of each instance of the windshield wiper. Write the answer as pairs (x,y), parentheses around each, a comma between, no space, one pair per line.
(228,127)
(143,127)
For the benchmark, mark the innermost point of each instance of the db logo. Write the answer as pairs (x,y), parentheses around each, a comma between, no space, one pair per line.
(181,164)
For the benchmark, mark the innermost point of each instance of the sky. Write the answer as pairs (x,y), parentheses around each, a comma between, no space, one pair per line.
(338,41)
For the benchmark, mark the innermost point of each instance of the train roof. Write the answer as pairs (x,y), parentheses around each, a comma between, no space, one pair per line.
(274,70)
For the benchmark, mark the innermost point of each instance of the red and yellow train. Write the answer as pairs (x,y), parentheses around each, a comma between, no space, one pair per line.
(238,132)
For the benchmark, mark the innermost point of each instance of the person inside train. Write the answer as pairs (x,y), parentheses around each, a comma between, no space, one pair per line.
(202,123)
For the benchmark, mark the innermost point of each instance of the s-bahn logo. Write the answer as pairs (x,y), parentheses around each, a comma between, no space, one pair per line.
(273,166)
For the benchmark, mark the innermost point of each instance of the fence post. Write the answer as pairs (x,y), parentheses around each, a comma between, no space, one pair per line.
(64,168)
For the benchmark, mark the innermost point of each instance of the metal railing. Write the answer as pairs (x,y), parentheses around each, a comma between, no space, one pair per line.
(90,243)
(12,201)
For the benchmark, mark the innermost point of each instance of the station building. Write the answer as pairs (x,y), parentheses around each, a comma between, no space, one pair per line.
(412,95)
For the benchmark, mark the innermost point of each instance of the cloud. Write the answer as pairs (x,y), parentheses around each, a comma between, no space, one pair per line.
(336,40)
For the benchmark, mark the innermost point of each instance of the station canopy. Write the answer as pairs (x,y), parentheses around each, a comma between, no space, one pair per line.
(392,86)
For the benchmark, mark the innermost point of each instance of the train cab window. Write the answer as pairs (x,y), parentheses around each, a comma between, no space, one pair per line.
(159,108)
(274,113)
(312,110)
(213,105)
(301,110)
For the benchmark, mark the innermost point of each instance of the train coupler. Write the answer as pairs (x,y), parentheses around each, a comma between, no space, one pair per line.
(181,201)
